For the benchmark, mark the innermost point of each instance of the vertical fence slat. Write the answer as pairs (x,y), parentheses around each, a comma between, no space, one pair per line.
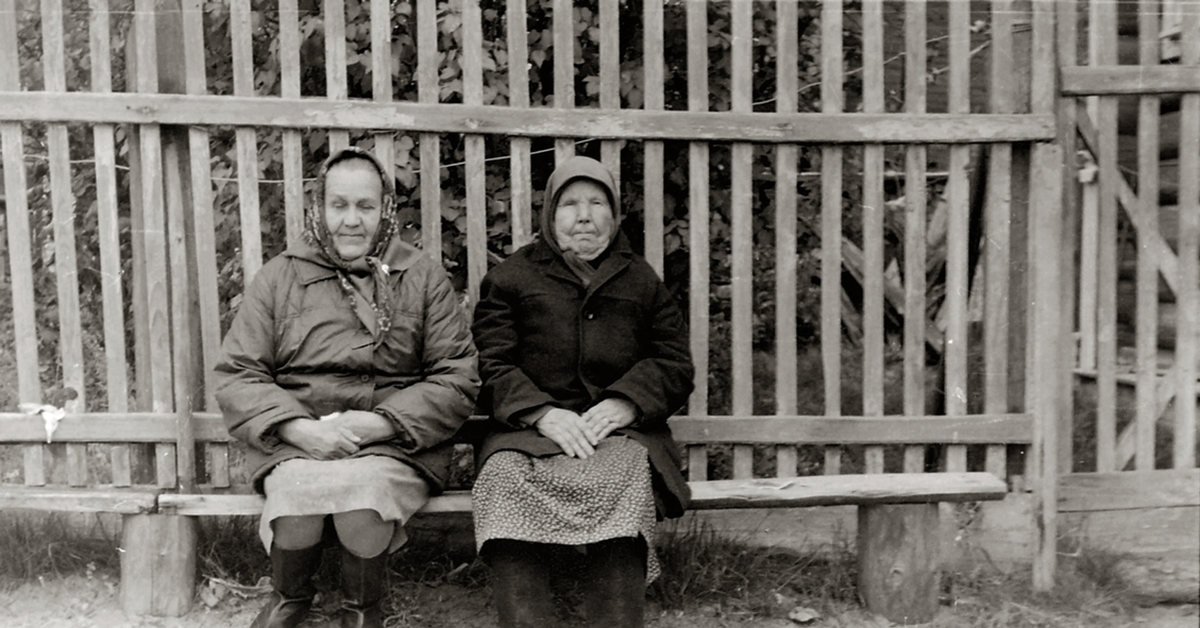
(1066,39)
(336,86)
(519,147)
(381,77)
(181,314)
(742,234)
(62,203)
(240,30)
(915,63)
(472,56)
(154,247)
(786,155)
(997,221)
(957,196)
(872,226)
(289,87)
(652,53)
(1188,299)
(20,248)
(698,229)
(108,231)
(832,101)
(1105,27)
(564,69)
(427,92)
(1045,235)
(610,97)
(1147,263)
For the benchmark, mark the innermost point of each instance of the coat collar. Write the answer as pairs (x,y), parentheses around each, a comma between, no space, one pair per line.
(619,255)
(399,256)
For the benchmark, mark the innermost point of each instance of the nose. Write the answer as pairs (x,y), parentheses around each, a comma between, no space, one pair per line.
(584,216)
(352,217)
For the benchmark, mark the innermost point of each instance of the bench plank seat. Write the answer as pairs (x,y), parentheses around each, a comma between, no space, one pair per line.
(91,499)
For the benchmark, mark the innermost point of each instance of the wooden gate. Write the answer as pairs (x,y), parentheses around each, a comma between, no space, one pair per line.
(1133,113)
(804,179)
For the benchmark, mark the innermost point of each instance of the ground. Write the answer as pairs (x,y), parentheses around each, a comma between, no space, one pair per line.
(91,601)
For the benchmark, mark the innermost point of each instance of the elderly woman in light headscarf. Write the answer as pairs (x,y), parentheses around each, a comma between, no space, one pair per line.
(346,370)
(583,355)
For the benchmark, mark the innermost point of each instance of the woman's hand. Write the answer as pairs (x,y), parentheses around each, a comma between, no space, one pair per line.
(610,414)
(569,431)
(323,440)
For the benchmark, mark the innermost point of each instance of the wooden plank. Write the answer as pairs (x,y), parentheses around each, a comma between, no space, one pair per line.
(381,78)
(786,155)
(105,427)
(698,228)
(289,80)
(915,195)
(880,488)
(181,316)
(563,26)
(62,202)
(872,228)
(472,60)
(610,97)
(899,561)
(1129,80)
(240,30)
(158,565)
(653,100)
(1147,266)
(742,234)
(91,499)
(626,124)
(201,505)
(108,233)
(811,430)
(958,197)
(1106,262)
(520,168)
(336,86)
(427,94)
(1129,490)
(998,216)
(1066,43)
(832,103)
(1187,321)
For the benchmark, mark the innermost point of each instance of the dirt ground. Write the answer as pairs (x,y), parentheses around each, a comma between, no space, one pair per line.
(92,601)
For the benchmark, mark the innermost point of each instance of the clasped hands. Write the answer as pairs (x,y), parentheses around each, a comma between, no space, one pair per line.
(578,434)
(333,437)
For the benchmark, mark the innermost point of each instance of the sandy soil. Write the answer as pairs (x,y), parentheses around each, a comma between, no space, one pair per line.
(84,601)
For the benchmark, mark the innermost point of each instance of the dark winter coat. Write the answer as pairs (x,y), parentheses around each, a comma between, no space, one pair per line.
(546,339)
(298,349)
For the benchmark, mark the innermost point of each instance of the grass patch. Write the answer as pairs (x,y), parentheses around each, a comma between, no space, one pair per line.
(42,545)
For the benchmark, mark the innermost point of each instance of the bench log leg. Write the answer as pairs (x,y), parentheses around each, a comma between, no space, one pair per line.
(898,561)
(158,565)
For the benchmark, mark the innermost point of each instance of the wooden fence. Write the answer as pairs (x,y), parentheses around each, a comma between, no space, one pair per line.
(888,171)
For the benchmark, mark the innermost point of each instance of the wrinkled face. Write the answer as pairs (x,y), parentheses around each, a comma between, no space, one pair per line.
(583,219)
(353,207)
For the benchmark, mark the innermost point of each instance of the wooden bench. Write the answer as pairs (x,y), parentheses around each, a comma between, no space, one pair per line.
(897,545)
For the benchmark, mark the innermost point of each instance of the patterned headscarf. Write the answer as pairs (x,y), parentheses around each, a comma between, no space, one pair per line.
(316,233)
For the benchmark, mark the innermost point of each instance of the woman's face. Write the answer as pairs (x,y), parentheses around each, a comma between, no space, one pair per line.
(583,219)
(353,207)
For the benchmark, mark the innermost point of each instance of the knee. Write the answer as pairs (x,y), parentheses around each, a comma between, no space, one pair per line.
(363,532)
(298,532)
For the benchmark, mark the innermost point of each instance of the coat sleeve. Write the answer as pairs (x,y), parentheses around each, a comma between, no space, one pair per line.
(252,404)
(433,409)
(508,392)
(660,382)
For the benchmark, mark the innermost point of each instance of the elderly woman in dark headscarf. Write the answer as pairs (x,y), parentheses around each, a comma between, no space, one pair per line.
(347,368)
(583,355)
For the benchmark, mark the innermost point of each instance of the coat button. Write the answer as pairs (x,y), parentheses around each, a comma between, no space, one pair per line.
(591,315)
(364,378)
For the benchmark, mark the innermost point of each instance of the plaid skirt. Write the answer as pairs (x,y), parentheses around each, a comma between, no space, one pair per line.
(299,487)
(568,501)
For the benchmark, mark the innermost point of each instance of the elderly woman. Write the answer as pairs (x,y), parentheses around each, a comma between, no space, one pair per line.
(348,366)
(583,355)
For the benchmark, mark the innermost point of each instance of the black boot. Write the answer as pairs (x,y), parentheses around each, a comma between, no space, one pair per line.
(615,583)
(362,590)
(291,578)
(521,583)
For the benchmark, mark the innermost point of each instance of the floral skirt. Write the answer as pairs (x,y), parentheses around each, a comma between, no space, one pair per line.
(568,501)
(299,487)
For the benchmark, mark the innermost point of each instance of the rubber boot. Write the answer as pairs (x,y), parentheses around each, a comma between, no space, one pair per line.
(291,578)
(362,590)
(615,584)
(521,583)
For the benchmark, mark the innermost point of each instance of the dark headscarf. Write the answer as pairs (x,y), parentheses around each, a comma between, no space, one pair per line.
(316,233)
(571,170)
